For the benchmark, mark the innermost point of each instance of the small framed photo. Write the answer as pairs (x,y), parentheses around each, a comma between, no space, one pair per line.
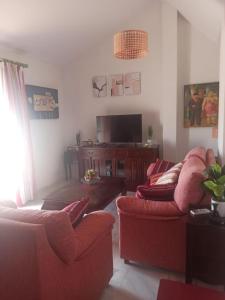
(116,85)
(132,83)
(99,86)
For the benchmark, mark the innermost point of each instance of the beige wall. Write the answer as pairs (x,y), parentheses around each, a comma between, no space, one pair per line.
(163,75)
(198,62)
(100,61)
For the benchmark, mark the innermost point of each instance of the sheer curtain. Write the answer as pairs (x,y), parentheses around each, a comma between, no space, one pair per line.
(16,168)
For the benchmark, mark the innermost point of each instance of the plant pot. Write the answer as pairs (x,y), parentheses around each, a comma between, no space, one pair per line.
(218,208)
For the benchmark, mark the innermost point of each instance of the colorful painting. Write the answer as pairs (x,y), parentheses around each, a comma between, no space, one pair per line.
(201,103)
(132,83)
(42,102)
(116,85)
(99,86)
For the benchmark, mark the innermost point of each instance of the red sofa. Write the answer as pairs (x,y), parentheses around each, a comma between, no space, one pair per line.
(153,232)
(43,258)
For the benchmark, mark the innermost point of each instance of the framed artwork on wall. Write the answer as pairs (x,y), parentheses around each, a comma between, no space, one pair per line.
(99,86)
(42,102)
(132,83)
(116,85)
(201,103)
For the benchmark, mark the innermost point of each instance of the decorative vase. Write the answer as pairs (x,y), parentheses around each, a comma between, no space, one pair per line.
(218,208)
(150,142)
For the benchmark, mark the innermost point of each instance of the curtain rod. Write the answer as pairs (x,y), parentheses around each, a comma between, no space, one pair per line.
(15,62)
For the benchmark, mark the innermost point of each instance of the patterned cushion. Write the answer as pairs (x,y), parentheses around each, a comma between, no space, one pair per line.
(171,176)
(155,177)
(156,192)
(76,210)
(161,166)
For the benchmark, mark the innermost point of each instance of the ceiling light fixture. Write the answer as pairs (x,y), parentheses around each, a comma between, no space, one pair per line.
(130,44)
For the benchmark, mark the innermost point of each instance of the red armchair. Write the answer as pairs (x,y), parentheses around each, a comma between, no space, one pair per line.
(153,232)
(31,268)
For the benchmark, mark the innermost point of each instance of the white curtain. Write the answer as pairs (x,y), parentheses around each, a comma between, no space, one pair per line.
(16,168)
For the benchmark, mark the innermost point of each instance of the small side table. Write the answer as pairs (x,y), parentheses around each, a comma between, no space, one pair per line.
(205,253)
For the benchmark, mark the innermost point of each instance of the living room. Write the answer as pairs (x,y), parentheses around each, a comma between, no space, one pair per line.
(65,45)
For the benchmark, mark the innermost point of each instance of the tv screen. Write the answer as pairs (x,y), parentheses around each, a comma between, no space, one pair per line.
(119,129)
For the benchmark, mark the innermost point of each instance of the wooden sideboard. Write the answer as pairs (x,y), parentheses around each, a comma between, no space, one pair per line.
(131,163)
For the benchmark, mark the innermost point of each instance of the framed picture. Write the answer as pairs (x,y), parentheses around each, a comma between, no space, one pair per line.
(116,85)
(132,83)
(99,86)
(42,102)
(201,103)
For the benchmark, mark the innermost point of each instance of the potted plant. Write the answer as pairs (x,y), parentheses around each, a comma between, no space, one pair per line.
(215,185)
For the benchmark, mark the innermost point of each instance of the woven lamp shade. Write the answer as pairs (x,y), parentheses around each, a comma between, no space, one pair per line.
(130,44)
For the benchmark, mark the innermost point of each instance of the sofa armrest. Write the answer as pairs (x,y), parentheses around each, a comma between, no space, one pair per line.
(148,208)
(92,228)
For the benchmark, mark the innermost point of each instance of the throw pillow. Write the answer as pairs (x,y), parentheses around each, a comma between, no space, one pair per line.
(155,177)
(156,192)
(76,210)
(171,176)
(161,166)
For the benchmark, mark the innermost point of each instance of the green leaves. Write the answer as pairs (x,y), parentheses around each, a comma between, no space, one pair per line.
(214,171)
(215,183)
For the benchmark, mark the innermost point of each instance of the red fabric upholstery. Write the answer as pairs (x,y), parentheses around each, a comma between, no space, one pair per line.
(189,191)
(159,192)
(57,225)
(199,152)
(155,177)
(153,231)
(30,269)
(171,290)
(76,210)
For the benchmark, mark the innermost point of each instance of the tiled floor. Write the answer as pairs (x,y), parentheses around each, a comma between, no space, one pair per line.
(129,282)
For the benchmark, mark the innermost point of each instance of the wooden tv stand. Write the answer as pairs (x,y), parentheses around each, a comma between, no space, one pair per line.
(129,162)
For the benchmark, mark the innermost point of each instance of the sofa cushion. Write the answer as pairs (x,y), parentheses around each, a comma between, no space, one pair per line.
(199,152)
(189,190)
(56,223)
(160,166)
(76,210)
(170,176)
(155,177)
(156,192)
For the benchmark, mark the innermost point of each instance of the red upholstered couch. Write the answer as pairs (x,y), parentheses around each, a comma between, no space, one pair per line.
(153,232)
(43,258)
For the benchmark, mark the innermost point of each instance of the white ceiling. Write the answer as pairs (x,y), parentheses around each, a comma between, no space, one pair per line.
(58,30)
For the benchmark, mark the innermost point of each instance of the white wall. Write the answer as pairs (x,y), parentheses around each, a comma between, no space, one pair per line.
(169,81)
(221,127)
(47,135)
(100,61)
(198,62)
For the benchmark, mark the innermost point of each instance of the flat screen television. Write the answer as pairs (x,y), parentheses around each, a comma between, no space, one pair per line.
(119,128)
